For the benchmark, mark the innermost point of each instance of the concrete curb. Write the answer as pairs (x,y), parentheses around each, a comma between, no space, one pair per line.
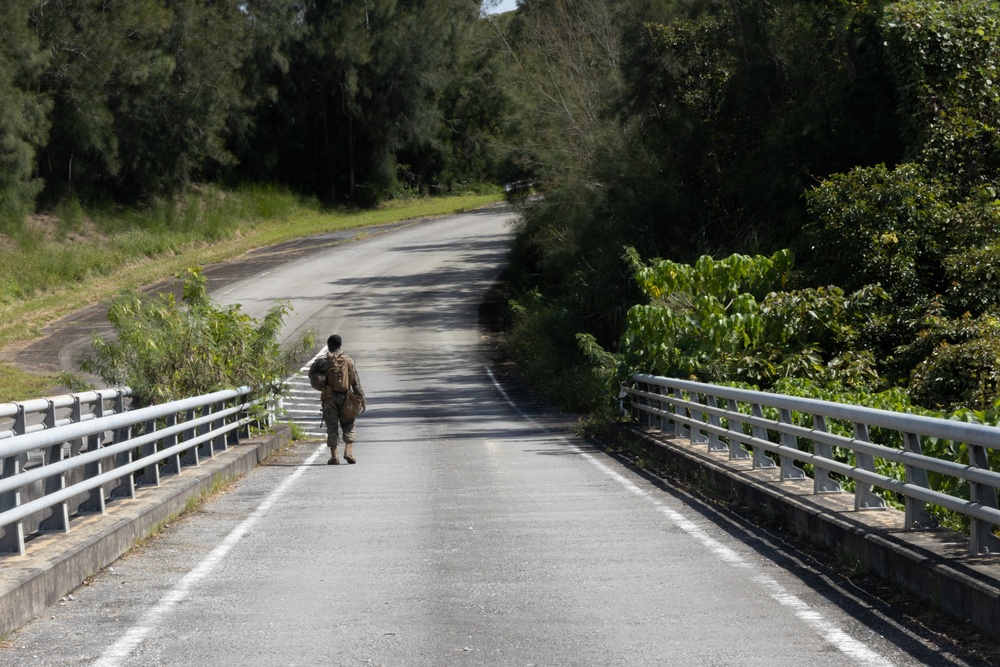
(933,565)
(56,564)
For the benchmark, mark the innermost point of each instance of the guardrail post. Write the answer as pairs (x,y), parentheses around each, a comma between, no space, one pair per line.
(915,515)
(667,425)
(658,405)
(640,415)
(190,456)
(205,448)
(696,434)
(682,429)
(233,435)
(12,541)
(736,449)
(150,475)
(76,416)
(219,423)
(171,465)
(788,468)
(981,537)
(822,482)
(94,502)
(244,430)
(20,422)
(58,520)
(760,457)
(864,497)
(715,443)
(124,486)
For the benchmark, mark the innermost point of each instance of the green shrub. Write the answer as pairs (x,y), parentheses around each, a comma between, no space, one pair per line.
(960,365)
(732,320)
(165,350)
(879,226)
(973,280)
(542,340)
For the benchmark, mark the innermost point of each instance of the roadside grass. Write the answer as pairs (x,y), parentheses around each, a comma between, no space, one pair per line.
(297,432)
(17,385)
(76,258)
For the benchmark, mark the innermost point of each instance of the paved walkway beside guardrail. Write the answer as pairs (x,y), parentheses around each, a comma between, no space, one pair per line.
(54,564)
(752,445)
(933,565)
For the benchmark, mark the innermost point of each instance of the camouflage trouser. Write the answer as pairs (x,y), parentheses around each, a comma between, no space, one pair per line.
(333,419)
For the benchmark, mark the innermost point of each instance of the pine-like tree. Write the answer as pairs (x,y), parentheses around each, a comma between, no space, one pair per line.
(23,113)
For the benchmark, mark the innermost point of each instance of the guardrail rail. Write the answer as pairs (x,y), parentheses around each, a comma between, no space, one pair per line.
(68,456)
(770,426)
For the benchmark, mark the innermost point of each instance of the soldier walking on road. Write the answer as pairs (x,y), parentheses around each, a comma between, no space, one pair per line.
(343,398)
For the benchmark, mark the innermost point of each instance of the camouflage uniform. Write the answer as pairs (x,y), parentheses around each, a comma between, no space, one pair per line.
(333,402)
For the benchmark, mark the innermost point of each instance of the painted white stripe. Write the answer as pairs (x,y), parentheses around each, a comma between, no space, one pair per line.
(121,649)
(808,615)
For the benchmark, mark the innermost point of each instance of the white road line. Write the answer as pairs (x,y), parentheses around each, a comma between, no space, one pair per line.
(808,615)
(121,649)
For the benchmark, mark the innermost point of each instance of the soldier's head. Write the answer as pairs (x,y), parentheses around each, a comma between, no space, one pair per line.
(333,343)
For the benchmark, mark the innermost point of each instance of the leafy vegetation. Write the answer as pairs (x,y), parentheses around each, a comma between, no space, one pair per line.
(735,320)
(166,350)
(724,139)
(349,102)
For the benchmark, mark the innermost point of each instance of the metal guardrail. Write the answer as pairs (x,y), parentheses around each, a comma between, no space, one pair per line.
(42,413)
(731,420)
(87,459)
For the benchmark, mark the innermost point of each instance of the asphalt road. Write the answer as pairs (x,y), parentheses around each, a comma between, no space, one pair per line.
(474,530)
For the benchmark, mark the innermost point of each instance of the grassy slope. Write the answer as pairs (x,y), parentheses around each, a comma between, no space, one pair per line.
(153,256)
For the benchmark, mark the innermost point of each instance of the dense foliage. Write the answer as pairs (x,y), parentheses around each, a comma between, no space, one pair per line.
(353,102)
(724,138)
(860,136)
(23,113)
(165,349)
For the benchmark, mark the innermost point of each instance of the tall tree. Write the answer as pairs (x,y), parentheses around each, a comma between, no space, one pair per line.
(181,124)
(273,30)
(102,54)
(563,77)
(362,96)
(23,112)
(144,91)
(749,103)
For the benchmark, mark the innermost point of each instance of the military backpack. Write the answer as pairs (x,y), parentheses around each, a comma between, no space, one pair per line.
(338,377)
